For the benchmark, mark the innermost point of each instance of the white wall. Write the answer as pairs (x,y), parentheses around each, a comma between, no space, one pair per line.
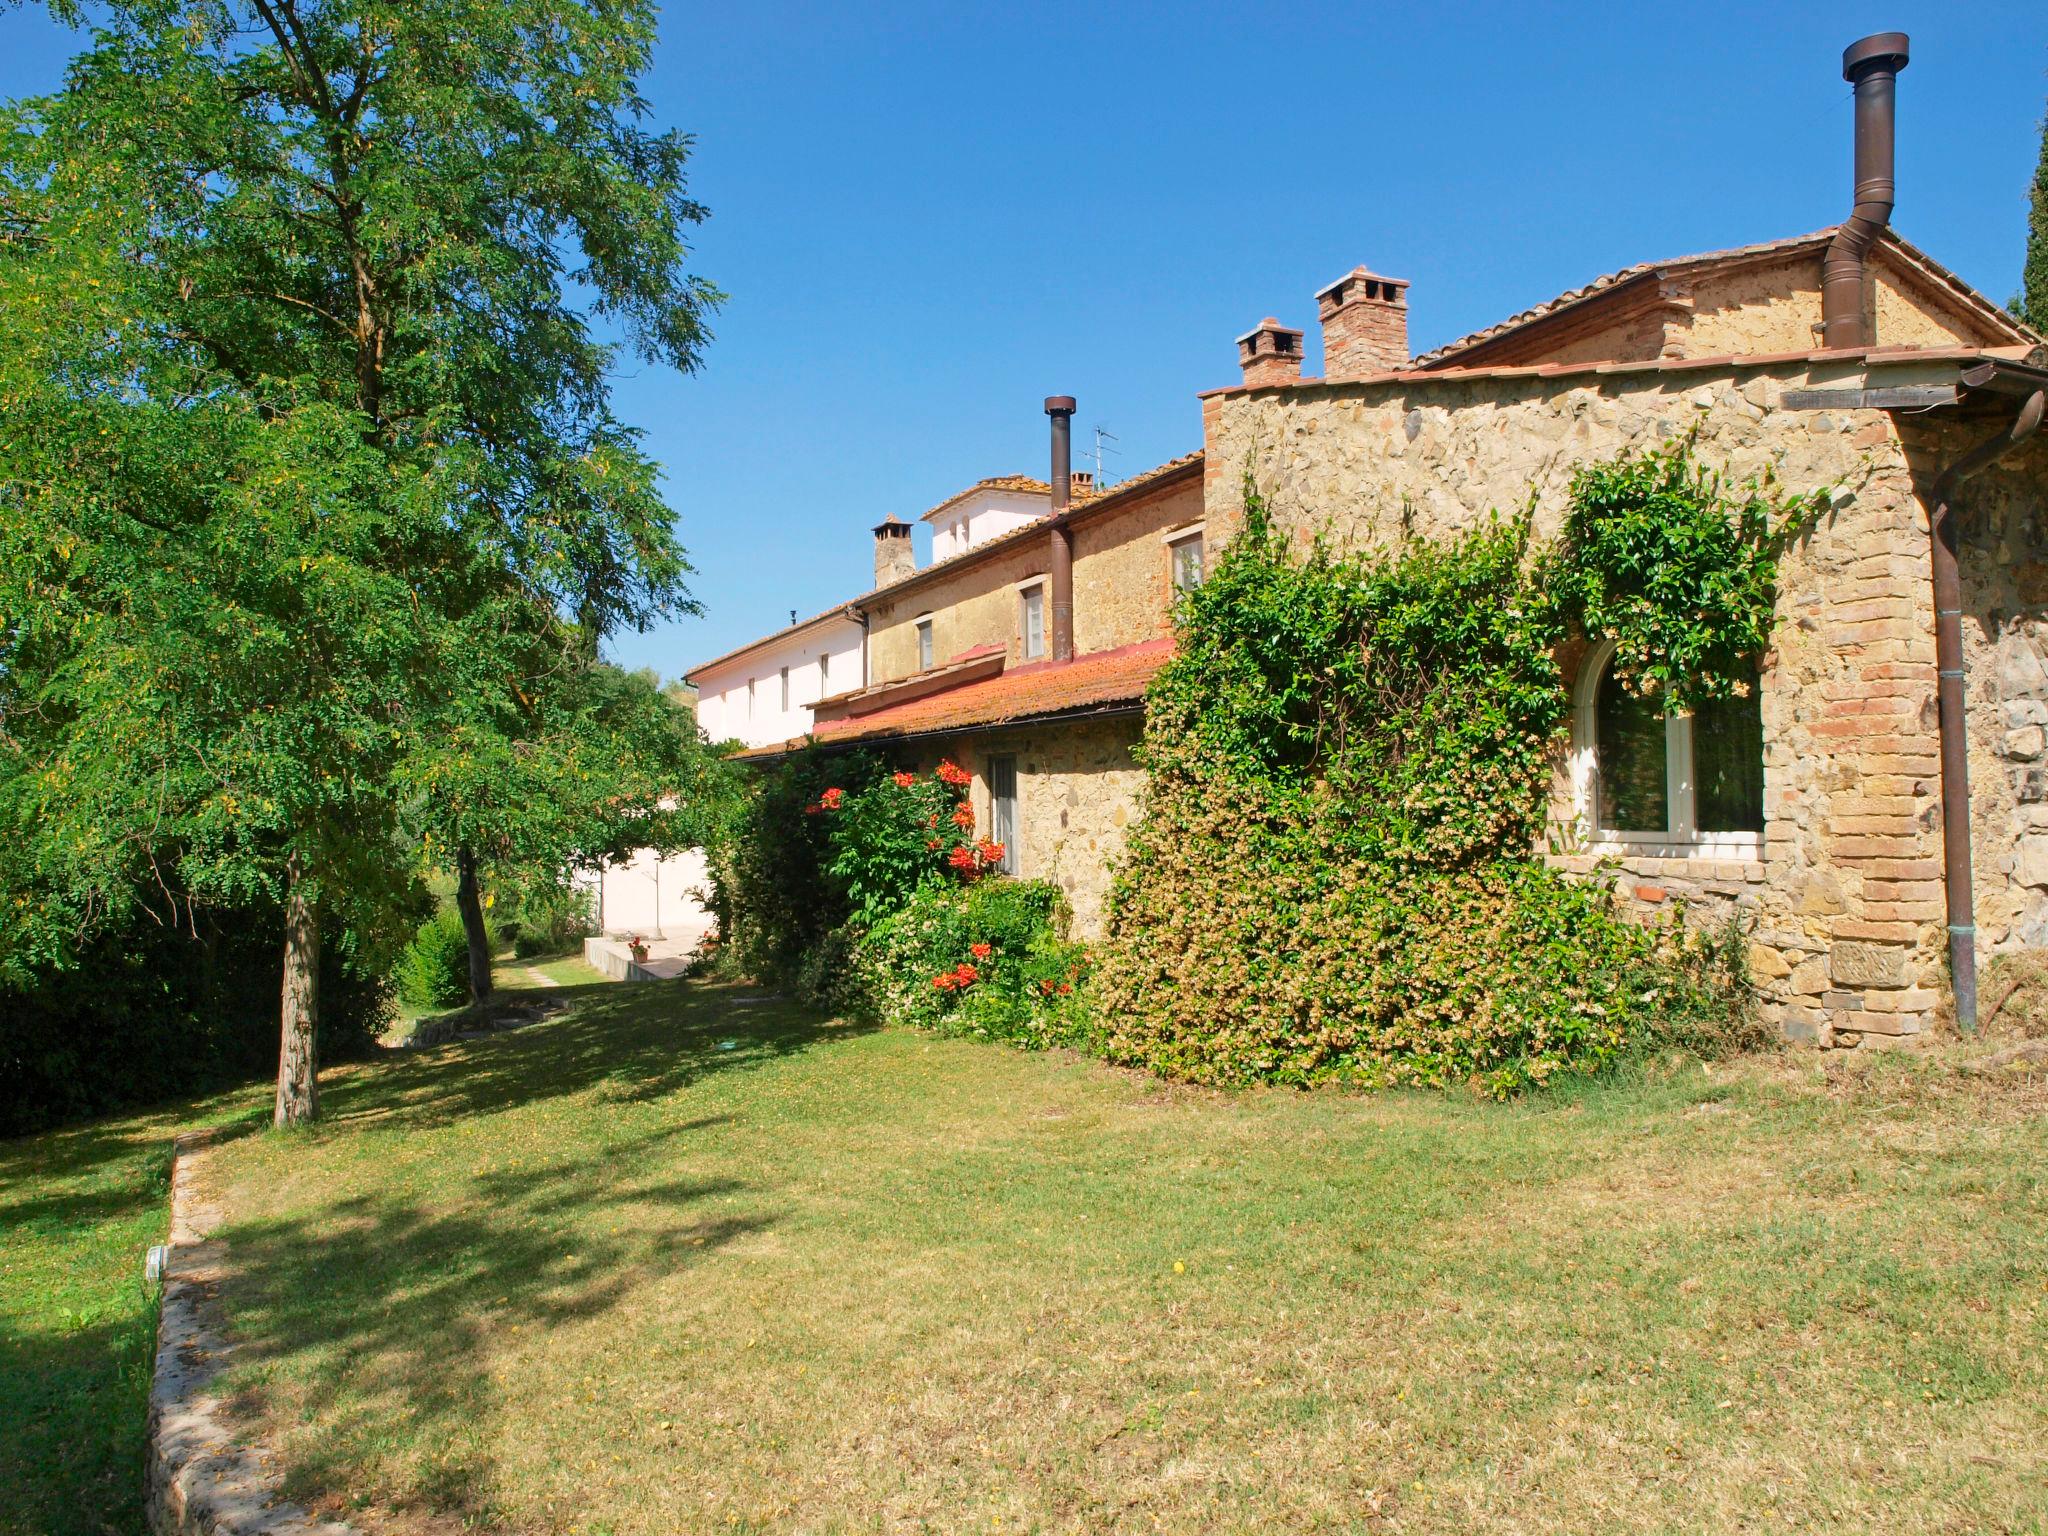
(650,896)
(983,516)
(723,706)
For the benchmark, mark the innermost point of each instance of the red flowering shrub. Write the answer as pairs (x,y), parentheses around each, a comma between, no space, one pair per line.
(883,839)
(985,959)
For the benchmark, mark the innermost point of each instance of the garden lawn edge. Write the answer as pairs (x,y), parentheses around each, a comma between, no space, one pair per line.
(202,1480)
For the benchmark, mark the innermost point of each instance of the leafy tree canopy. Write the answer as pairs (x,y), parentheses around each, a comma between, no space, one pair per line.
(307,313)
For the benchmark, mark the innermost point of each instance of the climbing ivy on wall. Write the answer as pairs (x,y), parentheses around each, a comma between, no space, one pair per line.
(1349,761)
(1677,567)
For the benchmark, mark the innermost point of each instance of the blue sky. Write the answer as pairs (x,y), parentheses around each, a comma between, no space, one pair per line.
(930,217)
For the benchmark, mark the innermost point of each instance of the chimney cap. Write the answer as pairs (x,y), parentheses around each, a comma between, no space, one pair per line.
(1880,50)
(1395,285)
(1059,405)
(1269,324)
(890,525)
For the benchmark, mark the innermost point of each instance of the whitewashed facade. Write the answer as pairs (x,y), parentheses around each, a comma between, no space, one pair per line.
(762,693)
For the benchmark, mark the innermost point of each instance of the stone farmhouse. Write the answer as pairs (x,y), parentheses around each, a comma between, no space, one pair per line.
(1877,808)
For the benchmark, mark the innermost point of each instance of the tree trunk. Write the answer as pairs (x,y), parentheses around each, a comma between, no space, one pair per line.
(472,910)
(298,1065)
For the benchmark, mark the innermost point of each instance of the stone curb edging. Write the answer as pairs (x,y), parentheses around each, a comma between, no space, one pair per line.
(201,1480)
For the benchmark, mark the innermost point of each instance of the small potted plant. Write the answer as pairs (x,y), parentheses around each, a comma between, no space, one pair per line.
(637,948)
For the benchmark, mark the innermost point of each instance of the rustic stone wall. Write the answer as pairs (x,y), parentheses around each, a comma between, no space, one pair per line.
(1123,581)
(2003,557)
(1078,795)
(1751,308)
(979,604)
(1845,902)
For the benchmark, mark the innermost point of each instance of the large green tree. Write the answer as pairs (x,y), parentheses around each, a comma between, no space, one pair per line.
(579,763)
(307,314)
(2031,302)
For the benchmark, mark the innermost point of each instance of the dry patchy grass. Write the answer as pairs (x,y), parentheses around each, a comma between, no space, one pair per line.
(684,1260)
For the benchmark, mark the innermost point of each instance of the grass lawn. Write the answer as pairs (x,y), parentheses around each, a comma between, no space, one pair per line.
(564,970)
(678,1262)
(78,1210)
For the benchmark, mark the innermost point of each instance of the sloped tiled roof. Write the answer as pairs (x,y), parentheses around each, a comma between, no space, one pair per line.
(1097,499)
(842,610)
(1032,692)
(1455,372)
(1895,244)
(1023,485)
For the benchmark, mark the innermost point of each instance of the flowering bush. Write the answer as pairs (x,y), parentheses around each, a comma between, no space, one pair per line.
(985,959)
(892,837)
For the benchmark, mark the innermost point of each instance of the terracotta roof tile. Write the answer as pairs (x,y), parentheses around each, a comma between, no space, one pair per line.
(1451,373)
(1031,692)
(1022,484)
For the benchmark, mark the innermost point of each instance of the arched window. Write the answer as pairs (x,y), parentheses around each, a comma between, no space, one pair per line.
(1682,784)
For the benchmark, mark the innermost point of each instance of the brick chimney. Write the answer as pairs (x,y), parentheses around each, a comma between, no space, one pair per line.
(893,557)
(1270,354)
(1365,324)
(1083,481)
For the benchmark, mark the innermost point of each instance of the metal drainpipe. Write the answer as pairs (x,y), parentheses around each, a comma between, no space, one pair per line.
(1955,745)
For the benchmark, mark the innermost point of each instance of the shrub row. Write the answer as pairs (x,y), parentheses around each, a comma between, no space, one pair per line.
(148,1012)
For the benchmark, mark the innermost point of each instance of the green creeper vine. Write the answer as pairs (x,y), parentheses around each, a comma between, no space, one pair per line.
(1349,763)
(1678,568)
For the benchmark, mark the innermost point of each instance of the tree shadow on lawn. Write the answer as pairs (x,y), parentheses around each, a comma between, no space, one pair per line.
(72,1403)
(638,1041)
(375,1325)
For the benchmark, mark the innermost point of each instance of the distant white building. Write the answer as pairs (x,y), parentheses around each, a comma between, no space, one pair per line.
(990,508)
(762,693)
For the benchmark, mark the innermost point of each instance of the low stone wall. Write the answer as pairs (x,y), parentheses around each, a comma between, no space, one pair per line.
(202,1480)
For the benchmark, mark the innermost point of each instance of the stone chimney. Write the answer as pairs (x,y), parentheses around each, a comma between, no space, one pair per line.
(893,557)
(1270,354)
(1365,324)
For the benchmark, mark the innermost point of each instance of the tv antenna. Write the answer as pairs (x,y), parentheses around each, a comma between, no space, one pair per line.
(1102,435)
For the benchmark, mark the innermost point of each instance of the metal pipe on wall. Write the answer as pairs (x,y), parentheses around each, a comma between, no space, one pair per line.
(1060,560)
(1872,65)
(1957,881)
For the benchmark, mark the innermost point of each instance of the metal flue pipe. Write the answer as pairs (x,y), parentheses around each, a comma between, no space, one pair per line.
(1949,694)
(1060,560)
(1872,65)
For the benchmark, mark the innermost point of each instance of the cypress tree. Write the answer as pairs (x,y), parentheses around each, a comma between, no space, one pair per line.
(2031,302)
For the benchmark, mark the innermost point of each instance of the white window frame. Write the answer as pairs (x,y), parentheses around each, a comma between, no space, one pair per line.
(824,672)
(927,643)
(1682,839)
(750,701)
(1025,591)
(1013,857)
(785,690)
(1173,539)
